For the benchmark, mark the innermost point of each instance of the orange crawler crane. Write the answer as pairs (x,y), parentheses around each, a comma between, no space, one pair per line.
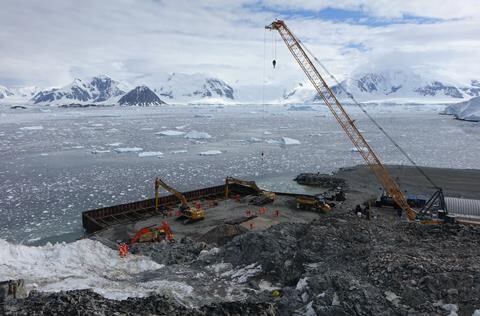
(342,117)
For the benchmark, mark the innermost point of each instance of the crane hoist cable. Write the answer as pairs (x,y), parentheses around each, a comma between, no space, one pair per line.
(262,155)
(364,110)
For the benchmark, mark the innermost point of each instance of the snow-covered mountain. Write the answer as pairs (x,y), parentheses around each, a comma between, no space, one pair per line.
(468,110)
(17,95)
(93,90)
(140,96)
(390,85)
(194,88)
(5,92)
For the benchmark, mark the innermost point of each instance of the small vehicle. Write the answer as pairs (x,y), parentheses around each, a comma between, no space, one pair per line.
(313,203)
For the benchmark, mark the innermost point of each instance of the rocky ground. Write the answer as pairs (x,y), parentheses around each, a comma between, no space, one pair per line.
(336,265)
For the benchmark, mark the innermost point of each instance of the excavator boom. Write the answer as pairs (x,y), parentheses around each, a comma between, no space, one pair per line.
(160,183)
(342,116)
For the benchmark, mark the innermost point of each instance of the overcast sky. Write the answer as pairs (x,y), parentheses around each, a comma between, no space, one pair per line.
(48,43)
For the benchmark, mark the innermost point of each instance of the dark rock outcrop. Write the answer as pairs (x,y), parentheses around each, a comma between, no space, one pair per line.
(140,96)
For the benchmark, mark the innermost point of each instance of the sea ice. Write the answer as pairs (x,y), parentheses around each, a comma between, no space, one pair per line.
(170,133)
(180,151)
(286,141)
(198,135)
(210,153)
(31,128)
(150,154)
(128,149)
(97,151)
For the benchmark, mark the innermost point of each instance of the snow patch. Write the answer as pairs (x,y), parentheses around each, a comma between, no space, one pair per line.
(83,264)
(242,275)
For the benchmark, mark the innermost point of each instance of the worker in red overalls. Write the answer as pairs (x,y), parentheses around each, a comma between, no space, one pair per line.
(123,249)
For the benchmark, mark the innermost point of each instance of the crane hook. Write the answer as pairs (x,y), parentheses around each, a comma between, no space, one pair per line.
(274,63)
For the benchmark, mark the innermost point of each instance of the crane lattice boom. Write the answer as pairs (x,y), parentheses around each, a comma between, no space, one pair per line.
(342,116)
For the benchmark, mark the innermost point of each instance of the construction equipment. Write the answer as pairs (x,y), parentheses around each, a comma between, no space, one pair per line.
(153,234)
(313,203)
(342,117)
(263,197)
(188,213)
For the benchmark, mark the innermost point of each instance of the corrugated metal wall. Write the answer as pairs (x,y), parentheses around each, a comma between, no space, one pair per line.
(467,207)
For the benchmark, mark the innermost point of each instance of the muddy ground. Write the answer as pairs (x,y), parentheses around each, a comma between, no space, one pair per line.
(335,264)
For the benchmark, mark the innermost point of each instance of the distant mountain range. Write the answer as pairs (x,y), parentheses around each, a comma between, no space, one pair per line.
(395,86)
(103,90)
(390,85)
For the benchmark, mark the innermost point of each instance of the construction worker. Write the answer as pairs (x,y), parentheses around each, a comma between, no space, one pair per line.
(123,249)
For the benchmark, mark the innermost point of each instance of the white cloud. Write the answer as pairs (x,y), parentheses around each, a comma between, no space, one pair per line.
(49,43)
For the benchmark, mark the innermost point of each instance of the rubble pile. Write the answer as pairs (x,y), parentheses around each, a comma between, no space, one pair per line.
(222,234)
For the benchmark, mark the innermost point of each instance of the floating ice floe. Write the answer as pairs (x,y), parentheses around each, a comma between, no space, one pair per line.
(31,128)
(97,151)
(128,150)
(181,126)
(272,141)
(181,151)
(150,154)
(287,141)
(210,153)
(170,133)
(114,144)
(198,135)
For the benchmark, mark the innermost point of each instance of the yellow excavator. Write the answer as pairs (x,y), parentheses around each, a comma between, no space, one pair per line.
(188,214)
(299,52)
(263,196)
